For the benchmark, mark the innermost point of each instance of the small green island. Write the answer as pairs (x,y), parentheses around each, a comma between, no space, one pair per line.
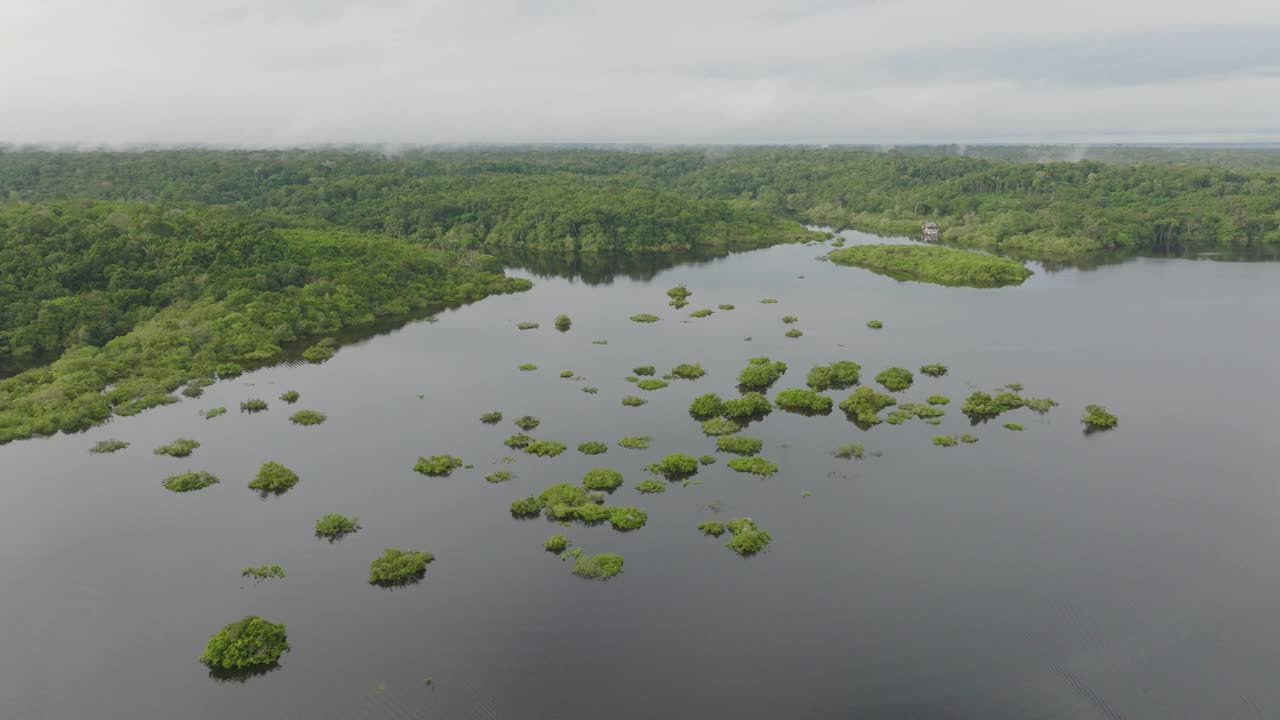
(934,264)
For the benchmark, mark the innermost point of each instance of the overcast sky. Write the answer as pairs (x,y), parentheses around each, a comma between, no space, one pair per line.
(285,72)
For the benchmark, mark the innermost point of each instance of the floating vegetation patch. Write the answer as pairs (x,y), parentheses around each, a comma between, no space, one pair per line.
(983,406)
(793,333)
(563,323)
(193,391)
(714,528)
(704,312)
(628,518)
(290,396)
(633,401)
(754,465)
(566,374)
(800,400)
(853,451)
(557,544)
(789,319)
(632,379)
(179,448)
(934,264)
(760,373)
(968,439)
(939,400)
(1097,417)
(895,379)
(749,406)
(739,444)
(934,370)
(1013,426)
(321,351)
(864,405)
(706,460)
(526,507)
(491,418)
(437,465)
(399,567)
(675,466)
(875,324)
(545,448)
(769,301)
(273,478)
(726,306)
(600,566)
(944,440)
(527,325)
(499,476)
(333,526)
(645,370)
(652,384)
(246,644)
(706,406)
(519,441)
(263,572)
(839,375)
(606,479)
(600,342)
(213,412)
(679,292)
(527,422)
(590,390)
(748,538)
(688,371)
(103,447)
(226,371)
(720,426)
(307,417)
(253,405)
(527,367)
(650,486)
(906,411)
(644,318)
(189,481)
(1040,405)
(635,442)
(593,447)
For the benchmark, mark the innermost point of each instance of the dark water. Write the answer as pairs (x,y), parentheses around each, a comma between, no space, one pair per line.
(1042,574)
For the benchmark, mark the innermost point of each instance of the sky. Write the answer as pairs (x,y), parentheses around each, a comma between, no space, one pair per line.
(295,72)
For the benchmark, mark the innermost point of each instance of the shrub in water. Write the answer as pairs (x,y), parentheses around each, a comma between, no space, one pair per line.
(748,539)
(519,441)
(263,572)
(645,370)
(875,324)
(713,528)
(632,379)
(333,526)
(253,405)
(628,518)
(803,401)
(633,401)
(593,447)
(720,426)
(321,351)
(726,307)
(307,417)
(650,486)
(754,465)
(760,373)
(739,444)
(545,448)
(527,422)
(836,376)
(944,440)
(651,384)
(688,371)
(895,379)
(193,391)
(864,406)
(491,418)
(290,397)
(644,318)
(704,312)
(602,479)
(526,507)
(601,566)
(399,567)
(706,406)
(750,405)
(563,323)
(1096,417)
(527,367)
(246,644)
(556,543)
(214,412)
(499,476)
(793,333)
(850,452)
(274,478)
(437,465)
(934,370)
(788,319)
(768,301)
(108,446)
(527,325)
(1013,426)
(635,442)
(590,390)
(675,466)
(181,447)
(679,292)
(1040,405)
(566,374)
(189,481)
(706,460)
(982,406)
(226,371)
(599,342)
(967,438)
(939,400)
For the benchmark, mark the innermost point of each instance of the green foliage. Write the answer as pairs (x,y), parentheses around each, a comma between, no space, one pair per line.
(754,465)
(606,479)
(760,373)
(652,384)
(968,439)
(519,441)
(189,481)
(704,312)
(1040,405)
(563,323)
(838,375)
(593,447)
(720,426)
(600,342)
(906,411)
(263,572)
(526,325)
(492,417)
(273,478)
(726,307)
(332,526)
(635,442)
(499,476)
(944,440)
(739,444)
(527,422)
(644,318)
(601,566)
(321,351)
(864,405)
(1096,417)
(628,518)
(566,374)
(557,544)
(748,538)
(679,292)
(545,448)
(852,451)
(939,400)
(213,413)
(788,319)
(768,301)
(193,391)
(983,406)
(246,644)
(437,465)
(526,507)
(875,324)
(713,528)
(1013,426)
(706,406)
(800,400)
(527,367)
(633,401)
(399,567)
(590,390)
(307,417)
(180,448)
(108,446)
(688,371)
(793,333)
(934,370)
(645,370)
(706,460)
(675,466)
(650,486)
(934,264)
(253,405)
(290,396)
(895,379)
(750,405)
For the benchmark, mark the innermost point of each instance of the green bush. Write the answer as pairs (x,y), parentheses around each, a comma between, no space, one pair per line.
(788,319)
(739,444)
(606,479)
(499,476)
(593,447)
(437,465)
(307,417)
(679,292)
(189,481)
(944,440)
(635,442)
(1040,405)
(750,405)
(768,301)
(519,441)
(214,412)
(801,400)
(273,478)
(321,351)
(726,307)
(720,426)
(332,526)
(290,396)
(557,544)
(688,371)
(1096,417)
(600,342)
(864,406)
(875,324)
(934,370)
(644,318)
(566,374)
(253,405)
(645,370)
(1013,426)
(706,460)
(760,373)
(704,312)
(706,406)
(526,507)
(969,439)
(180,448)
(601,566)
(563,323)
(193,391)
(939,400)
(263,572)
(650,486)
(527,422)
(895,379)
(651,384)
(754,465)
(748,539)
(399,567)
(590,390)
(545,448)
(675,466)
(982,406)
(633,401)
(527,325)
(492,417)
(248,643)
(934,264)
(527,367)
(108,446)
(628,518)
(632,379)
(226,371)
(836,376)
(853,451)
(713,528)
(793,333)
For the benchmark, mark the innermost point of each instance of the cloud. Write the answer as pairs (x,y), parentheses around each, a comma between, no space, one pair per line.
(281,72)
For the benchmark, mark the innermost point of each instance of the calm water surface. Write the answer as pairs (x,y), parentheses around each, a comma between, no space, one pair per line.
(1042,574)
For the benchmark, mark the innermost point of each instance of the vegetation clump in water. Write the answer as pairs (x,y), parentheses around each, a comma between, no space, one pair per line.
(645,370)
(650,486)
(1040,406)
(180,448)
(499,476)
(720,426)
(593,447)
(793,333)
(1013,426)
(246,644)
(399,567)
(750,405)
(652,384)
(769,301)
(545,448)
(492,417)
(739,444)
(906,411)
(606,479)
(273,478)
(1096,417)
(934,264)
(944,440)
(934,370)
(675,466)
(895,379)
(800,400)
(760,373)
(526,507)
(748,538)
(939,400)
(437,465)
(726,306)
(714,528)
(527,367)
(705,407)
(875,324)
(527,325)
(679,292)
(853,451)
(290,396)
(214,412)
(253,405)
(566,374)
(527,422)
(635,442)
(557,543)
(789,319)
(838,375)
(601,566)
(628,518)
(189,481)
(563,323)
(704,312)
(519,441)
(688,371)
(307,417)
(590,390)
(108,446)
(754,465)
(968,439)
(864,405)
(983,406)
(644,318)
(706,460)
(633,401)
(333,526)
(263,572)
(321,351)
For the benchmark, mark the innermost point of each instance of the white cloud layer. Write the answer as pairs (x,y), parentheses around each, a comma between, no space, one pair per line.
(283,72)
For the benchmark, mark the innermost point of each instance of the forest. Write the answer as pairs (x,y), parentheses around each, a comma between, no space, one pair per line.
(126,275)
